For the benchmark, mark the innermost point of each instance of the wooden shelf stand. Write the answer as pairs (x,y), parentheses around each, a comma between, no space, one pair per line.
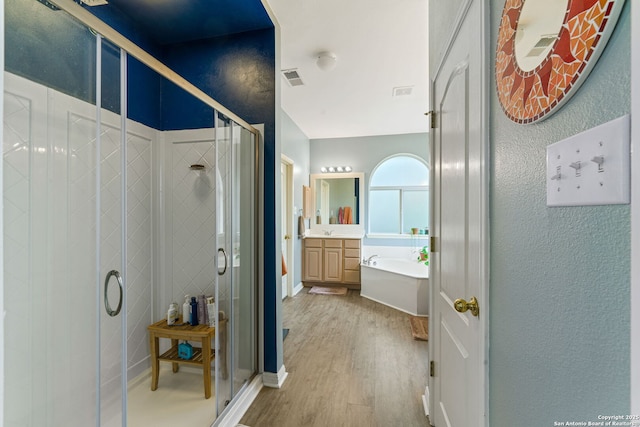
(202,356)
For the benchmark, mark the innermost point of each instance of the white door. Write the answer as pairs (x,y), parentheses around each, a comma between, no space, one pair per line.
(459,259)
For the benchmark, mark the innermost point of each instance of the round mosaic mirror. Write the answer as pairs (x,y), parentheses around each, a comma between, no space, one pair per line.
(545,51)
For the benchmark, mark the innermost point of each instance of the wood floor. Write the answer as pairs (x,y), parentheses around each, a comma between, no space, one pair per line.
(351,362)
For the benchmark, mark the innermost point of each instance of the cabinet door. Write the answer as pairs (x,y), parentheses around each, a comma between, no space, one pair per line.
(312,265)
(333,265)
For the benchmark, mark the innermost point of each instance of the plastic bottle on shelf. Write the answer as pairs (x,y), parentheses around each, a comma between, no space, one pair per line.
(211,311)
(185,310)
(193,312)
(202,320)
(172,314)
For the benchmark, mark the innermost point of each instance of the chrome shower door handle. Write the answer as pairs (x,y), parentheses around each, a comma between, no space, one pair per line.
(226,260)
(107,306)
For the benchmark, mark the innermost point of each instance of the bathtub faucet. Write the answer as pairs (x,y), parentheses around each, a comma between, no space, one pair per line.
(368,260)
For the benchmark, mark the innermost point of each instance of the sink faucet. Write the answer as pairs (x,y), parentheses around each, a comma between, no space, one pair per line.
(328,232)
(368,260)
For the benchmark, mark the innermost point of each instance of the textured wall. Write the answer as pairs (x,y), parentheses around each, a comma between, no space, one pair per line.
(295,145)
(559,322)
(363,154)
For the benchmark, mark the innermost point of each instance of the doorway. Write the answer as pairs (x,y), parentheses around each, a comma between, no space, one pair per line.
(288,215)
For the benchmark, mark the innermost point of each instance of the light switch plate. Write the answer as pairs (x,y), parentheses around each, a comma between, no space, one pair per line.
(592,167)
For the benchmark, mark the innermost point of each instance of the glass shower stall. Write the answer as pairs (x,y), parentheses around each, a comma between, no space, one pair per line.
(124,190)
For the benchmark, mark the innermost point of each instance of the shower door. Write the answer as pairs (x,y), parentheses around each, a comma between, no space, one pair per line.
(63,228)
(236,284)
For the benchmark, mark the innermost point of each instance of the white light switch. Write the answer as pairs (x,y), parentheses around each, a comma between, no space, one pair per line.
(591,168)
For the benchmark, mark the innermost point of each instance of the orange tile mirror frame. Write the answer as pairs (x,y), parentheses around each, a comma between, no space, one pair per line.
(539,68)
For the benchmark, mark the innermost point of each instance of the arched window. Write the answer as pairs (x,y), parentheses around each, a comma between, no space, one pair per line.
(399,195)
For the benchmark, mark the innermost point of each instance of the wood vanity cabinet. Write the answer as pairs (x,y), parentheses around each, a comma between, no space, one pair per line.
(331,261)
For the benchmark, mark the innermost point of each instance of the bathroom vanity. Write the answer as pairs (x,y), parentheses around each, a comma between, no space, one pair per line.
(331,248)
(331,261)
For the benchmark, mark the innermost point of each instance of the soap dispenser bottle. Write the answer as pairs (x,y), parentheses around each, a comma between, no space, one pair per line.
(193,312)
(185,310)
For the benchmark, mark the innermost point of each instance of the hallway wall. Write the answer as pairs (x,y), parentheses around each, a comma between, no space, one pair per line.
(559,325)
(295,145)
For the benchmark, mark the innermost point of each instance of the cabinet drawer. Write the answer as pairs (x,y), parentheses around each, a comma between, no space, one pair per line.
(351,276)
(352,243)
(352,264)
(352,253)
(332,243)
(313,243)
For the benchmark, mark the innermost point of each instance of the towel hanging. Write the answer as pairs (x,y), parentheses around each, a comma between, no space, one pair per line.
(284,266)
(301,227)
(348,215)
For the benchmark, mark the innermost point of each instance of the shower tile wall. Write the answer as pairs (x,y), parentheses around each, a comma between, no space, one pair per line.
(22,107)
(140,278)
(193,226)
(50,252)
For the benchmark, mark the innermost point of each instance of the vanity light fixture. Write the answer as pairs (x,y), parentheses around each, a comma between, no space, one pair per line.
(334,169)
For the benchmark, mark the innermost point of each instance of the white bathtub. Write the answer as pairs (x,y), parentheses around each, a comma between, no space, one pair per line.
(398,283)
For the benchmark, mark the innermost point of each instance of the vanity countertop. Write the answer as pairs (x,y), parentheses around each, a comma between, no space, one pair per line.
(334,236)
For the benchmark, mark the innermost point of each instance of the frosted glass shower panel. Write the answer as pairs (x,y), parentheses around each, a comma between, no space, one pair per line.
(50,257)
(244,348)
(237,257)
(111,228)
(225,253)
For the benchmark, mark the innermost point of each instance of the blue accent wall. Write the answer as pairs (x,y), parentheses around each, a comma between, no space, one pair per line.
(168,22)
(68,65)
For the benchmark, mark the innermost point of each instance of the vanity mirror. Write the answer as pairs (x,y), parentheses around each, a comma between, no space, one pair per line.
(338,199)
(546,49)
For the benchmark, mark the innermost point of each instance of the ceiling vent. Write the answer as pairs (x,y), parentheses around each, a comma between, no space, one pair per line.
(402,91)
(94,2)
(292,77)
(542,44)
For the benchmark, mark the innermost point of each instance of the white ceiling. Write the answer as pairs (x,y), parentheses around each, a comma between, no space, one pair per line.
(379,44)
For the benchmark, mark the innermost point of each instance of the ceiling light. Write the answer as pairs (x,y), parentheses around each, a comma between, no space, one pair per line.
(326,61)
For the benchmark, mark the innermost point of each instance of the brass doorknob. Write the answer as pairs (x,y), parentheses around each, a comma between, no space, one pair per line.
(461,306)
(287,237)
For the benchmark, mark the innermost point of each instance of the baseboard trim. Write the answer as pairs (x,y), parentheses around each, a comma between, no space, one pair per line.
(275,380)
(241,406)
(425,401)
(297,289)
